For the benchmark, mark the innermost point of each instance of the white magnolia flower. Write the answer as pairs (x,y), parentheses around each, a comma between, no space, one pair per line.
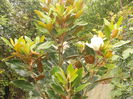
(96,43)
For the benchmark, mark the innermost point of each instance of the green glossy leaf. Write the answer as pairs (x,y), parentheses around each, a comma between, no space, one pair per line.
(81,87)
(23,84)
(19,67)
(121,43)
(115,57)
(45,45)
(127,53)
(16,64)
(55,69)
(58,89)
(52,94)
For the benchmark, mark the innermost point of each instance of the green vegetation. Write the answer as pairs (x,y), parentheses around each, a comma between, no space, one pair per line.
(61,49)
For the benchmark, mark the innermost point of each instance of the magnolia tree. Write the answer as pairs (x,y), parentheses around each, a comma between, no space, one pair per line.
(65,63)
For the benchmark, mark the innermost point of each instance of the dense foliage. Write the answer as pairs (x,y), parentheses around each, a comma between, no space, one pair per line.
(49,55)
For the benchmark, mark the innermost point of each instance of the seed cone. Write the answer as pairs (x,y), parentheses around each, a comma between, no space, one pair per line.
(89,59)
(78,64)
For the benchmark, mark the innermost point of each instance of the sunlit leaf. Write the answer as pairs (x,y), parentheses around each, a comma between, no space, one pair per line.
(39,13)
(45,45)
(81,87)
(110,66)
(28,39)
(106,22)
(119,22)
(78,79)
(73,77)
(42,38)
(60,78)
(70,69)
(107,31)
(121,43)
(12,42)
(126,53)
(7,42)
(37,40)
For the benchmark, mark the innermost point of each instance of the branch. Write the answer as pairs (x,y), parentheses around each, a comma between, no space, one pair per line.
(71,57)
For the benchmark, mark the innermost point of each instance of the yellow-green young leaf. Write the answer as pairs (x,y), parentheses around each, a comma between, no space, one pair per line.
(107,31)
(33,46)
(60,9)
(79,78)
(39,13)
(21,40)
(7,42)
(106,22)
(70,69)
(17,47)
(12,42)
(79,13)
(70,2)
(119,22)
(60,78)
(81,87)
(78,5)
(42,38)
(73,77)
(42,24)
(110,66)
(69,10)
(49,27)
(27,49)
(22,50)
